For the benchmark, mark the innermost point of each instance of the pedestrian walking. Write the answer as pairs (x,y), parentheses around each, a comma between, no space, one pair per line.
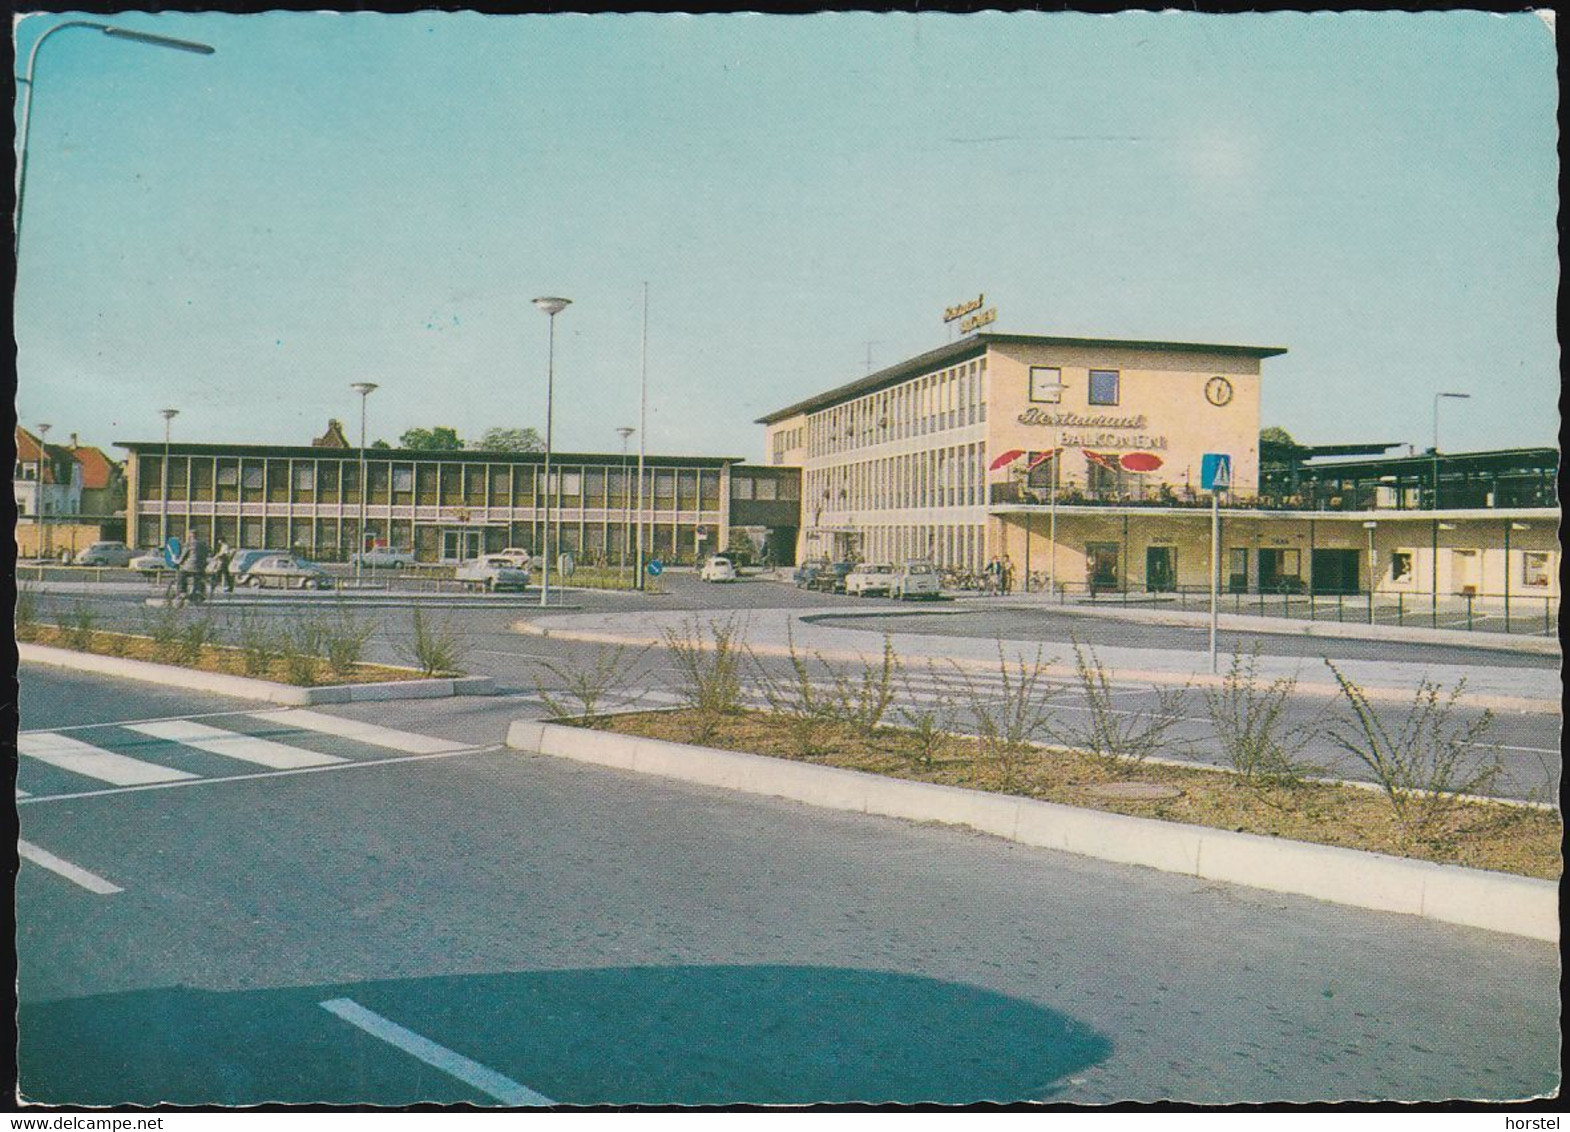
(1006,574)
(222,557)
(191,568)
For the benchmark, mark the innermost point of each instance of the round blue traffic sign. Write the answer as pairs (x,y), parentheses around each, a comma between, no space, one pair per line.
(655,568)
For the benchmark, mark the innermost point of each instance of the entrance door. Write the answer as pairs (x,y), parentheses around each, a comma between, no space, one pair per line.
(1101,566)
(1337,571)
(460,545)
(1237,570)
(1161,569)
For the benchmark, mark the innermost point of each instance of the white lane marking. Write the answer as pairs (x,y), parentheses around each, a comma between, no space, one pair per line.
(371,733)
(73,873)
(20,793)
(233,745)
(94,762)
(393,761)
(470,1072)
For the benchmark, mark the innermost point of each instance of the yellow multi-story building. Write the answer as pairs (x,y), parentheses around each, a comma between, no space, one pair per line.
(916,459)
(1080,463)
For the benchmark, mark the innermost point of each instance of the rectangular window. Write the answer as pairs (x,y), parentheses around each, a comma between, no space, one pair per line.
(252,475)
(1046,385)
(305,477)
(1103,387)
(228,474)
(1536,567)
(1400,565)
(741,487)
(402,479)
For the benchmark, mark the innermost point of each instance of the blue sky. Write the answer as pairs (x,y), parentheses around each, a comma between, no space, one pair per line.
(335,198)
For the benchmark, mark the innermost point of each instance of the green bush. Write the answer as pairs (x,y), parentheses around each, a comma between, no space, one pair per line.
(589,684)
(1009,726)
(435,648)
(806,712)
(863,700)
(1252,725)
(709,671)
(1120,738)
(78,627)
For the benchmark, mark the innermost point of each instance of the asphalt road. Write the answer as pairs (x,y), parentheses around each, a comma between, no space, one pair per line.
(1528,742)
(543,930)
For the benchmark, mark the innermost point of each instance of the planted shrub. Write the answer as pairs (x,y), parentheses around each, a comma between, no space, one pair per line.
(261,645)
(435,647)
(164,626)
(1252,725)
(1426,761)
(1120,738)
(589,684)
(196,635)
(78,627)
(25,612)
(342,641)
(1010,723)
(806,711)
(862,700)
(929,716)
(709,671)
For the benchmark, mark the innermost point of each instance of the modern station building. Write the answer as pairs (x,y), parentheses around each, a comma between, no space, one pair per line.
(1080,460)
(449,506)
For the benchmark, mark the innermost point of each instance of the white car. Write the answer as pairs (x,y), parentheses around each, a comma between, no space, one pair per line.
(718,569)
(286,571)
(150,562)
(517,556)
(383,557)
(492,572)
(915,579)
(869,578)
(106,554)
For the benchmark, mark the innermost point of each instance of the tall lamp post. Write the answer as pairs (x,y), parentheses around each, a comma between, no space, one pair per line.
(163,498)
(1373,574)
(364,389)
(43,506)
(27,106)
(1056,388)
(552,305)
(625,431)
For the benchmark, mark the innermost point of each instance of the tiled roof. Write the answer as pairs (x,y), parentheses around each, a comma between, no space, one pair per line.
(97,468)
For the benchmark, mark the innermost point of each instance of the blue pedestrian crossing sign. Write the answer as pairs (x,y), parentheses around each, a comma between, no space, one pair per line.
(172,551)
(1215,471)
(655,568)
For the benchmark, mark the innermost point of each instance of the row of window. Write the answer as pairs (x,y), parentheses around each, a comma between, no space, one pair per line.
(1047,386)
(289,480)
(333,540)
(1537,567)
(786,439)
(937,477)
(950,398)
(765,488)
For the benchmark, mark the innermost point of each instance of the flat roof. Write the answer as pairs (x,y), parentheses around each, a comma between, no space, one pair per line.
(965,348)
(1534,459)
(461,455)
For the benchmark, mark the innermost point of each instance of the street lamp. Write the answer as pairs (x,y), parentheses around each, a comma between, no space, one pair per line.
(552,305)
(364,389)
(163,510)
(1437,398)
(1056,388)
(27,107)
(625,431)
(43,506)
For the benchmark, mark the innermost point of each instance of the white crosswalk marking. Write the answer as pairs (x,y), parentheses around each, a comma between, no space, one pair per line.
(370,733)
(233,745)
(94,762)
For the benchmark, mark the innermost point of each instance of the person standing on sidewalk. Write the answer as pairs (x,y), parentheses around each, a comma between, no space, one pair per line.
(191,569)
(222,557)
(1006,574)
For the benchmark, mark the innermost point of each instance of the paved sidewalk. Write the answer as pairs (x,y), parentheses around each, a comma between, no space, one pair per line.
(771,632)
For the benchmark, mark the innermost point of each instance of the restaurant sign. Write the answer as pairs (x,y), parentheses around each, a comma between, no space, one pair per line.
(968,311)
(1096,430)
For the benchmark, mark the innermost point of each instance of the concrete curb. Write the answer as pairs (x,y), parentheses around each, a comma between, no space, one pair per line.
(1493,901)
(1279,626)
(247,688)
(1062,670)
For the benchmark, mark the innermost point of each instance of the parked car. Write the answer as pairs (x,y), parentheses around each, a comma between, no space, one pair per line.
(383,557)
(243,560)
(831,578)
(915,579)
(869,578)
(718,568)
(517,556)
(807,573)
(492,572)
(740,557)
(286,571)
(149,562)
(106,554)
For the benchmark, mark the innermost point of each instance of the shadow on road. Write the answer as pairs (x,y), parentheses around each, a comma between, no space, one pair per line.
(617,1036)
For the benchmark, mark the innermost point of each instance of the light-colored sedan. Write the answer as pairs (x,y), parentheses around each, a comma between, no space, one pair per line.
(869,578)
(150,562)
(492,573)
(286,571)
(718,569)
(383,558)
(915,579)
(516,555)
(106,554)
